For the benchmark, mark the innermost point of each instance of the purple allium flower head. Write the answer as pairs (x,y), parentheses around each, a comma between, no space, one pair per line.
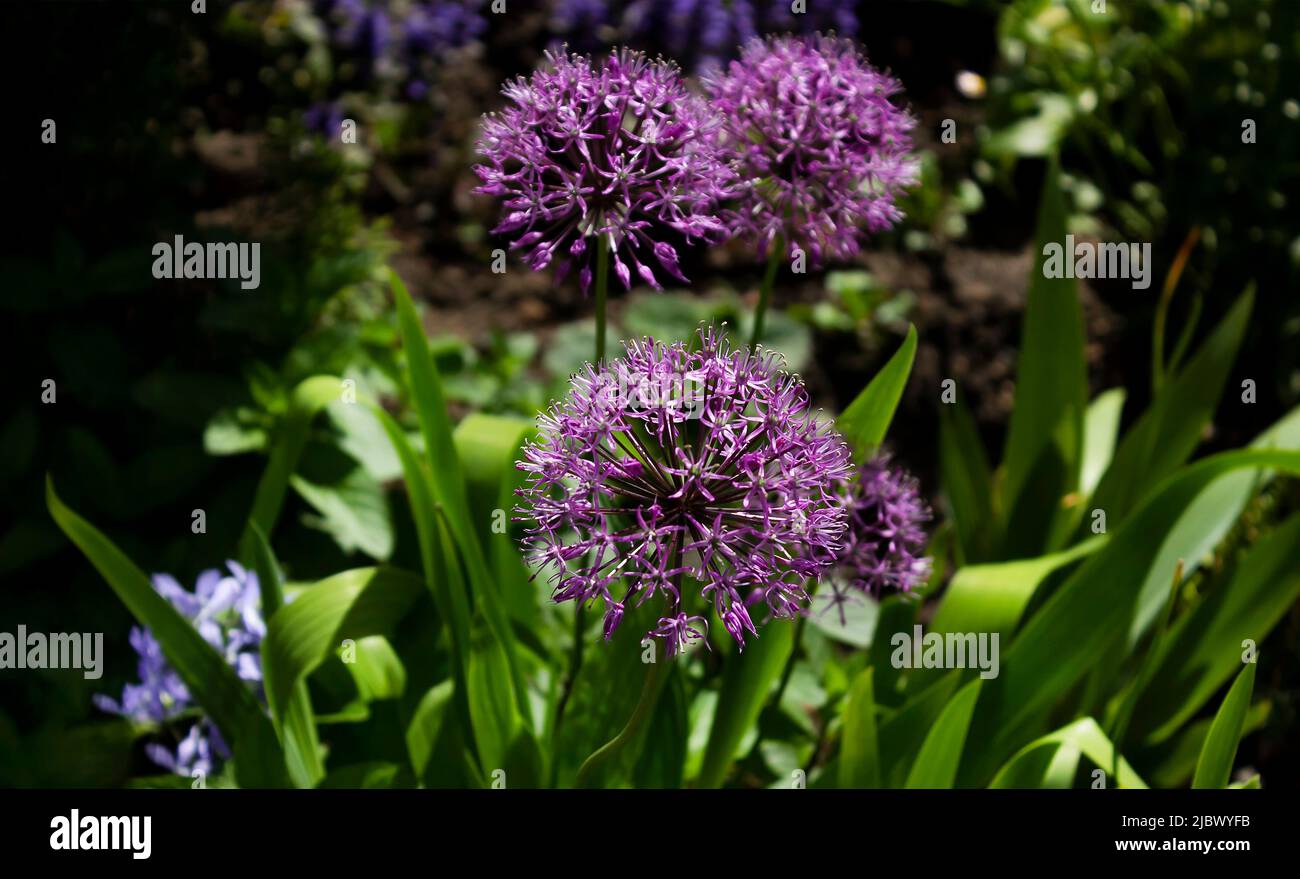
(823,151)
(672,466)
(614,155)
(225,608)
(884,545)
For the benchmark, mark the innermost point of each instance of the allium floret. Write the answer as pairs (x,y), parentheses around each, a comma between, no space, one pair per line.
(675,468)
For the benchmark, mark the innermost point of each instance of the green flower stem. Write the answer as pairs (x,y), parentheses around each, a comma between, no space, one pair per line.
(765,293)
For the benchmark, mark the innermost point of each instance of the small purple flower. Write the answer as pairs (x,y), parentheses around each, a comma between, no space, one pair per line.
(225,609)
(198,752)
(822,149)
(616,155)
(884,545)
(401,40)
(701,34)
(324,118)
(675,466)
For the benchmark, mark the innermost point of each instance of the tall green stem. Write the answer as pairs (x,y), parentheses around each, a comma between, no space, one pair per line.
(602,284)
(765,293)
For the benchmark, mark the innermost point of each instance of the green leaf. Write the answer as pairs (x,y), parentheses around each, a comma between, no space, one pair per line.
(859,746)
(491,707)
(866,420)
(426,726)
(296,727)
(1065,638)
(936,764)
(349,605)
(209,678)
(364,776)
(1214,769)
(967,484)
(1169,431)
(1205,644)
(1100,434)
(1045,436)
(353,510)
(448,594)
(746,681)
(448,482)
(902,734)
(307,399)
(661,758)
(489,446)
(375,669)
(992,598)
(1036,764)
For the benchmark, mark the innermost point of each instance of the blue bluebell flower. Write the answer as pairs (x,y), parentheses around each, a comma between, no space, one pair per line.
(226,610)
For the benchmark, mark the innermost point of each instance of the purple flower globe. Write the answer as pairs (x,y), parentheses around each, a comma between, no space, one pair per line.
(884,544)
(675,466)
(823,151)
(617,155)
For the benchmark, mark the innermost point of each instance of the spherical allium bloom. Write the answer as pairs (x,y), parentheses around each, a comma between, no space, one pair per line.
(884,544)
(823,151)
(616,155)
(226,611)
(673,466)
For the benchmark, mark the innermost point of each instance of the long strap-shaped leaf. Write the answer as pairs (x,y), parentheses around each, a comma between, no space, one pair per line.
(936,764)
(859,742)
(745,684)
(213,683)
(1045,436)
(448,482)
(1040,763)
(1071,632)
(1214,769)
(1168,432)
(866,420)
(296,726)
